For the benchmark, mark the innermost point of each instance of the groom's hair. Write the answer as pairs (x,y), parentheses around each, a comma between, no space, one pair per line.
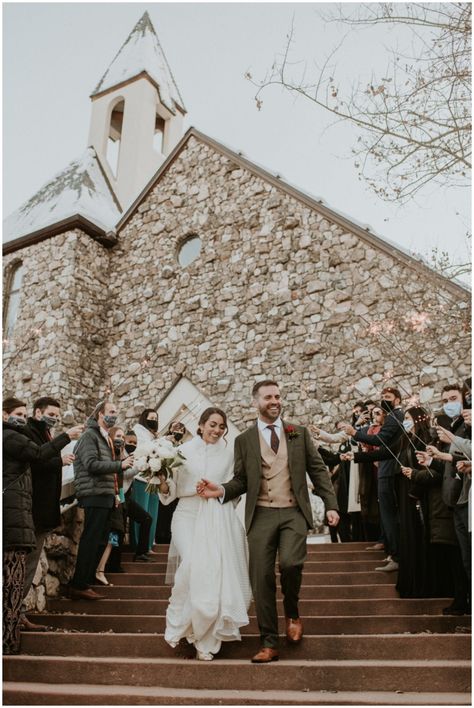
(259,384)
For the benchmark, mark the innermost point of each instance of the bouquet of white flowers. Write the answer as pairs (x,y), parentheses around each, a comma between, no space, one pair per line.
(155,459)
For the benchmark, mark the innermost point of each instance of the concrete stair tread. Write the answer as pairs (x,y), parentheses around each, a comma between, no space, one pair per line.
(218,664)
(314,646)
(308,607)
(154,695)
(409,654)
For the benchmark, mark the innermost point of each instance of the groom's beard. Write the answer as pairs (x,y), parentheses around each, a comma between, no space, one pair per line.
(270,413)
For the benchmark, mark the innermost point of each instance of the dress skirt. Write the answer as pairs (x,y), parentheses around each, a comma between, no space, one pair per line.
(211,592)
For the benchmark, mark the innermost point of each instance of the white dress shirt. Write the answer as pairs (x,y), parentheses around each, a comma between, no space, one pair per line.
(266,432)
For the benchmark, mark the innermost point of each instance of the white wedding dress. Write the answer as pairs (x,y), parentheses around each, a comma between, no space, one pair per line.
(211,593)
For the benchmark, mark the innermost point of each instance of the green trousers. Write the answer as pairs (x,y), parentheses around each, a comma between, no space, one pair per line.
(282,532)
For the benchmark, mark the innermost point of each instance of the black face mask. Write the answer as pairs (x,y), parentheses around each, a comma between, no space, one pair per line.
(387,406)
(152,425)
(118,445)
(130,448)
(178,435)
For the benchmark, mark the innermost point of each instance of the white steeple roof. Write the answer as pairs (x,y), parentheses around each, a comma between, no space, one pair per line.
(80,189)
(142,52)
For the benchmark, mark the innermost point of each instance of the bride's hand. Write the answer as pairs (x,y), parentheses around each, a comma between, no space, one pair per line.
(208,490)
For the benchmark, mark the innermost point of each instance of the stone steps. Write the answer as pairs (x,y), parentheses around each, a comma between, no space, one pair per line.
(322,565)
(313,555)
(358,634)
(79,694)
(373,624)
(314,647)
(287,675)
(308,608)
(144,575)
(309,592)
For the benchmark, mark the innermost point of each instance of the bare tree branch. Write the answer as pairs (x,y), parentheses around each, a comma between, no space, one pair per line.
(415,122)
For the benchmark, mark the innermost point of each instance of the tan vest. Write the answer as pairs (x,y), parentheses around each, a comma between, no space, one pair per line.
(275,487)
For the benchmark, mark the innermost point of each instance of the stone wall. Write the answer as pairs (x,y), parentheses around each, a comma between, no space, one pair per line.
(65,293)
(57,561)
(277,290)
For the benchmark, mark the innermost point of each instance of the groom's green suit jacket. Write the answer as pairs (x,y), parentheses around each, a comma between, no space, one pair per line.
(303,458)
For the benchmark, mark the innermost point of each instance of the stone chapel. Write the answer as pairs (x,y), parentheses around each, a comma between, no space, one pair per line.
(164,269)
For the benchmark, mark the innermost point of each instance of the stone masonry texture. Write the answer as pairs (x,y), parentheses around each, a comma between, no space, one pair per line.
(278,290)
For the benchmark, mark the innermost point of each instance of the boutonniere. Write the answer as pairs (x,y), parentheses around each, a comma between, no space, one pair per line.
(291,432)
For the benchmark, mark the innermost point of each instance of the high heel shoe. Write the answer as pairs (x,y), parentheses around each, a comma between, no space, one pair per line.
(203,656)
(100,576)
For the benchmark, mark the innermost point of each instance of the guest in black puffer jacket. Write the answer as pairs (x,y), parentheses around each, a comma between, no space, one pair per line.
(18,527)
(95,478)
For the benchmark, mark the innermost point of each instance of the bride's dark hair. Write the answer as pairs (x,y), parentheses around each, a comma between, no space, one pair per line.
(206,414)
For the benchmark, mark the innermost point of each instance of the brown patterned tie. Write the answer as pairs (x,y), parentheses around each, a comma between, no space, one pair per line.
(274,440)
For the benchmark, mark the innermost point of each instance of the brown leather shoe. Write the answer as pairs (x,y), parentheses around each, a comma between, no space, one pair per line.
(27,626)
(88,594)
(265,655)
(294,630)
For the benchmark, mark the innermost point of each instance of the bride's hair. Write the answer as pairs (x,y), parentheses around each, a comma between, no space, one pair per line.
(206,414)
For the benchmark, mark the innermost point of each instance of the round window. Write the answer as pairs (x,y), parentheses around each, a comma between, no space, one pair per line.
(189,250)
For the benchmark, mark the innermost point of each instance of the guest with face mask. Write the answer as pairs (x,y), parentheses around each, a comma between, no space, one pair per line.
(96,470)
(134,511)
(387,438)
(145,429)
(113,549)
(19,537)
(47,482)
(455,448)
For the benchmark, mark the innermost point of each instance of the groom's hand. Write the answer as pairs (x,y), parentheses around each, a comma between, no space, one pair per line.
(208,490)
(332,517)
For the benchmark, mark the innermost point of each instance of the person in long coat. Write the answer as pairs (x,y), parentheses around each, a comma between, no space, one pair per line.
(18,527)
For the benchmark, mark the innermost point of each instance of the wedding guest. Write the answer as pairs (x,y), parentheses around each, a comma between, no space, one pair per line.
(116,521)
(368,482)
(459,440)
(448,577)
(95,478)
(46,485)
(389,438)
(176,434)
(19,536)
(414,570)
(146,430)
(211,592)
(134,511)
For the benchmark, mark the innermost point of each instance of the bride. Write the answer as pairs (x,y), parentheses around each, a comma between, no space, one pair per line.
(211,592)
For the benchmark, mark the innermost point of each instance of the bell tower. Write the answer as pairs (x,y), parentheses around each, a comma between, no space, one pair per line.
(137,113)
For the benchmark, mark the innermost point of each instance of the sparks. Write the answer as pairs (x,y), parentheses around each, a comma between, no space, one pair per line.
(419,321)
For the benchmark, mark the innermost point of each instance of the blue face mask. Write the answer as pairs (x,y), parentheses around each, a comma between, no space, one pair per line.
(16,420)
(408,424)
(110,420)
(453,409)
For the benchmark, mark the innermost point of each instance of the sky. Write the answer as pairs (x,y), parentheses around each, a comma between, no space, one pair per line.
(55,53)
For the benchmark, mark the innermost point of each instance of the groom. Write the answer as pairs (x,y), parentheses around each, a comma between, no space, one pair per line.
(271,462)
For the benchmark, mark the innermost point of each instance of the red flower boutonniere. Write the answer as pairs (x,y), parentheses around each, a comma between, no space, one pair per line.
(291,432)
